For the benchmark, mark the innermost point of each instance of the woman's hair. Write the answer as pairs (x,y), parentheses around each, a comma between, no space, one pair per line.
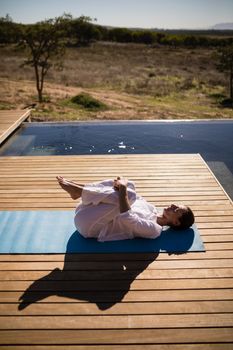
(186,220)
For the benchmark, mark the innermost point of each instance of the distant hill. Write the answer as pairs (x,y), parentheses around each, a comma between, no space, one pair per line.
(223,26)
(221,29)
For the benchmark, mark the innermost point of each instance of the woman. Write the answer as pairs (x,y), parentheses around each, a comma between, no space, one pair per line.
(111,210)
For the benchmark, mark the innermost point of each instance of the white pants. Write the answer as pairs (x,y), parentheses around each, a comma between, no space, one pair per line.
(99,206)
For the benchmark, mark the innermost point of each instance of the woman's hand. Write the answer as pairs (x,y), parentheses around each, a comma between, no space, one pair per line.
(120,183)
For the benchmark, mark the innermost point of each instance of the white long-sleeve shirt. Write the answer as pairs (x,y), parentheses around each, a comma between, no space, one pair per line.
(99,215)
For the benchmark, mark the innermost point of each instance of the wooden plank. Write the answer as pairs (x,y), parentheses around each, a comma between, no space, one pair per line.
(103,285)
(218,238)
(115,322)
(10,120)
(149,308)
(129,336)
(200,346)
(129,347)
(217,246)
(131,265)
(115,296)
(103,275)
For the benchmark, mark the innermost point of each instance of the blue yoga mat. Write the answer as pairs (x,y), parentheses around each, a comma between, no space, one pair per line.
(41,232)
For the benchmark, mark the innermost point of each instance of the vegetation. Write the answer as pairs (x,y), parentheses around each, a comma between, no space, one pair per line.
(87,101)
(82,31)
(44,42)
(135,81)
(113,73)
(9,31)
(225,64)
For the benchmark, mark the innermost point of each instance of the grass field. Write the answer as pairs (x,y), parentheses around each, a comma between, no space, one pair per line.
(134,81)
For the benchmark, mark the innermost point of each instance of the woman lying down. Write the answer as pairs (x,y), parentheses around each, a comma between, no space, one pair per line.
(111,210)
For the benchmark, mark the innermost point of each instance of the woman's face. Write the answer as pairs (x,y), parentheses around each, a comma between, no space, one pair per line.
(173,213)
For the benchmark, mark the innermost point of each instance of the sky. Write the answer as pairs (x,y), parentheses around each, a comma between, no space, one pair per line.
(171,14)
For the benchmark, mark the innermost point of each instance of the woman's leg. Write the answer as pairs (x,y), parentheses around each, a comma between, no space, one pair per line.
(104,194)
(95,193)
(90,219)
(74,190)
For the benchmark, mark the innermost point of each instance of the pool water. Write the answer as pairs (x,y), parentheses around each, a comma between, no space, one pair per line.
(118,138)
(69,139)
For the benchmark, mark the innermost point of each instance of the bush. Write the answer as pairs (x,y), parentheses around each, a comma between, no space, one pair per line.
(87,101)
(227,103)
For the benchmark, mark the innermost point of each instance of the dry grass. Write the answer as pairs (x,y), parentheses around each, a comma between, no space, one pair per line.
(135,81)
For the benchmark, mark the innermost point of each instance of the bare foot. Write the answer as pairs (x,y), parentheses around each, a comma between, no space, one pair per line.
(73,189)
(72,182)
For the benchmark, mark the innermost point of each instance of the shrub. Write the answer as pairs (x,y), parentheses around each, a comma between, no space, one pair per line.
(87,101)
(227,103)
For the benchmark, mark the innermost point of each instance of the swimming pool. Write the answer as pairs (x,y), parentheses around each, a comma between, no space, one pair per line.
(119,138)
(212,139)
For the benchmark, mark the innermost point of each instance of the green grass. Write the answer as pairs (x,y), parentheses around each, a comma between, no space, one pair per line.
(195,103)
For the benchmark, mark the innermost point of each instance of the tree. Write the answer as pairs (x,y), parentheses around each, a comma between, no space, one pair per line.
(83,31)
(9,31)
(160,37)
(146,37)
(121,35)
(44,42)
(190,41)
(225,64)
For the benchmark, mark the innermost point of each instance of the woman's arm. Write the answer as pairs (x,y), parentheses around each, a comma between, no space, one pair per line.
(132,222)
(123,196)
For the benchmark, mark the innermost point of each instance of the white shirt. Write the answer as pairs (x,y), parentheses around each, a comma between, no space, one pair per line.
(99,215)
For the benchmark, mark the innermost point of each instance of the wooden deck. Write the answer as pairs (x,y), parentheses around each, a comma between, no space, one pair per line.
(119,301)
(11,120)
